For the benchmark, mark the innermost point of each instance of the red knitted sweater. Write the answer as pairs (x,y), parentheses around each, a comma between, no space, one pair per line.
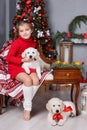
(14,55)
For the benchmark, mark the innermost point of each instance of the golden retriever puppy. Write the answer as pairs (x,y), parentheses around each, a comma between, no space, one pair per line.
(59,111)
(32,54)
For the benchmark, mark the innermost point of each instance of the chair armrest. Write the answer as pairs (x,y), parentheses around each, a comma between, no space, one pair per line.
(49,61)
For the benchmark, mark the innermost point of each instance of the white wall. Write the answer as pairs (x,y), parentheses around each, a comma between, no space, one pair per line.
(61,13)
(2,22)
(7,12)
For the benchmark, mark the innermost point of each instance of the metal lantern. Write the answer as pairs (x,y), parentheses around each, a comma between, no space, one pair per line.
(84,100)
(66,51)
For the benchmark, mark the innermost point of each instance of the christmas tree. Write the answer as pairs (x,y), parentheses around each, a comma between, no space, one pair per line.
(34,11)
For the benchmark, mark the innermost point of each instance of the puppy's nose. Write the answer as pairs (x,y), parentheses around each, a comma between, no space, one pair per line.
(30,56)
(57,111)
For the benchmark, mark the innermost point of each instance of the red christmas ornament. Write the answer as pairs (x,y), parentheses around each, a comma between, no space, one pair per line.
(68,34)
(31,18)
(85,35)
(25,10)
(47,48)
(17,17)
(28,2)
(49,45)
(39,8)
(38,1)
(40,15)
(45,24)
(29,10)
(22,16)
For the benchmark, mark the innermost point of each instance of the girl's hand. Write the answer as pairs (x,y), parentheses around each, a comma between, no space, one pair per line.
(26,60)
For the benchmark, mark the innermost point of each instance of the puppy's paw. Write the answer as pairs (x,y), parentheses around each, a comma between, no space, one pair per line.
(53,123)
(61,122)
(27,71)
(72,114)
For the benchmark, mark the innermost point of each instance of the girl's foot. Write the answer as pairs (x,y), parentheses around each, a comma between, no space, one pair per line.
(26,115)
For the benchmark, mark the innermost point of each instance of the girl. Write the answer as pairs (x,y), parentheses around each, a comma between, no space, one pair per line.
(31,81)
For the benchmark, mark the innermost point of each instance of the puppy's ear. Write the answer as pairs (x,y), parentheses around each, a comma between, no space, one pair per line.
(48,107)
(37,54)
(23,54)
(62,106)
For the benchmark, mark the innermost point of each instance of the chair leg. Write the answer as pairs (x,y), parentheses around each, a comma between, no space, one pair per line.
(1,103)
(6,100)
(72,87)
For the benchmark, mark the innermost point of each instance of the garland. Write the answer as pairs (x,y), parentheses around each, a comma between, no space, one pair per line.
(76,22)
(59,64)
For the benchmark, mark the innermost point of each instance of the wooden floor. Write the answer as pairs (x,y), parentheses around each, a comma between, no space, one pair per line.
(12,118)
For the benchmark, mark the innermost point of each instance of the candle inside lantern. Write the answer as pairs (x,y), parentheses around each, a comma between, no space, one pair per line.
(66,54)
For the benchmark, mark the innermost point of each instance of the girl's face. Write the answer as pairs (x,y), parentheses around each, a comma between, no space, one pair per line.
(25,31)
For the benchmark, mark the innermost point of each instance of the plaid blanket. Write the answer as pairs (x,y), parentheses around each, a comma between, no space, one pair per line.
(9,86)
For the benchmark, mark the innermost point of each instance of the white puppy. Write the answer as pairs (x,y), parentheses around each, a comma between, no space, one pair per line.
(33,54)
(59,111)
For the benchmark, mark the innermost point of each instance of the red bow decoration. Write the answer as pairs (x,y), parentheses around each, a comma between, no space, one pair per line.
(67,109)
(57,116)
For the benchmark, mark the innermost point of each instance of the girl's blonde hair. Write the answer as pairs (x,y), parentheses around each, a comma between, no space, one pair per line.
(22,23)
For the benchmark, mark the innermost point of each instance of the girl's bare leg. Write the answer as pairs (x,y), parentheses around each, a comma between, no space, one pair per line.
(27,90)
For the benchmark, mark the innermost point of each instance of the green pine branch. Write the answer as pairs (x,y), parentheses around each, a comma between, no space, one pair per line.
(76,22)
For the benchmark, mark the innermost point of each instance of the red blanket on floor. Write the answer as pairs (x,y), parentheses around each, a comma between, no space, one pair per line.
(9,86)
